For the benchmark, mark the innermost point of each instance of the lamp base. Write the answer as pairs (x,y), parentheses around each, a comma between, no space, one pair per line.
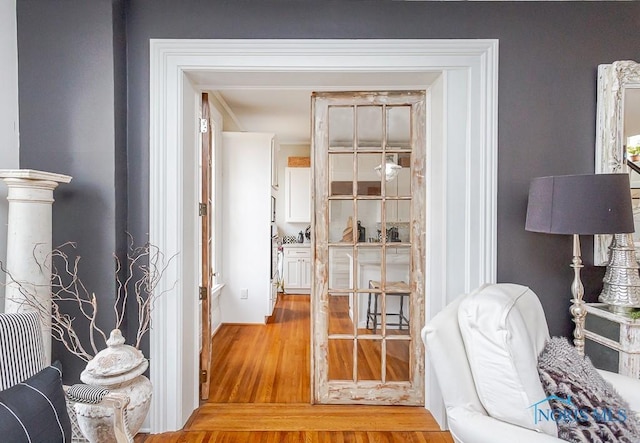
(578,309)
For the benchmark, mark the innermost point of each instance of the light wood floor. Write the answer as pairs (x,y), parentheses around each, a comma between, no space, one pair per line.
(260,392)
(264,363)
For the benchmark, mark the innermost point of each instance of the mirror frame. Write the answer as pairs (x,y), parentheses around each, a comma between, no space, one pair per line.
(613,79)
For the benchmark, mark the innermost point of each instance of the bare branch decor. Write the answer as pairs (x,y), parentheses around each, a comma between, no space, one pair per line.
(111,364)
(144,267)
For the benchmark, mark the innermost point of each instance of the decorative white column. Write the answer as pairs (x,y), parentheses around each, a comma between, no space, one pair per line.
(30,196)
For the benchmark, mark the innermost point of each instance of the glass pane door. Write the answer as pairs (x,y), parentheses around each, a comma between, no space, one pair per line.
(368,296)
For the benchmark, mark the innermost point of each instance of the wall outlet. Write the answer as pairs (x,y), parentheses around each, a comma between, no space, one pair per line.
(244,293)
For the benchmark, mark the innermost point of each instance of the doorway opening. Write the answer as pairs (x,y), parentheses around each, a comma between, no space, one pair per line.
(461,201)
(401,134)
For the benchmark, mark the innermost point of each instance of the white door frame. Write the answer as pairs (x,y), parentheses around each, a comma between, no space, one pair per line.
(461,186)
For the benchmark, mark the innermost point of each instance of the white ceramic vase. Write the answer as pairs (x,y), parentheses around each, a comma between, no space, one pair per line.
(118,368)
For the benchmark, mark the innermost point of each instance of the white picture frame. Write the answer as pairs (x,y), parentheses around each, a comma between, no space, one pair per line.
(613,80)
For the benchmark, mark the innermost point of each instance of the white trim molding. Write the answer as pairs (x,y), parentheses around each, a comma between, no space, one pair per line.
(9,117)
(461,194)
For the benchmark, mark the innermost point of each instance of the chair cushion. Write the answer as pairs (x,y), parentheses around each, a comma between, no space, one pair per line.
(504,329)
(35,410)
(585,406)
(445,352)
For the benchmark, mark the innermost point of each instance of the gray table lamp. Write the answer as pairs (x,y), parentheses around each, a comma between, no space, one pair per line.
(580,204)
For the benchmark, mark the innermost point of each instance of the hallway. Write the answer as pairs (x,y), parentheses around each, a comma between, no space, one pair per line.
(260,392)
(264,363)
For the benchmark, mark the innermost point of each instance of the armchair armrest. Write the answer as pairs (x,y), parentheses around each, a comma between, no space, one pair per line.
(627,387)
(103,397)
(470,426)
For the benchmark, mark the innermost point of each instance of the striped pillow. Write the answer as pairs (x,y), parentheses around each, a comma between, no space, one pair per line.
(21,349)
(35,410)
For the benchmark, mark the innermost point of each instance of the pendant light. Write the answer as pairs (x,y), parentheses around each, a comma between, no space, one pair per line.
(391,168)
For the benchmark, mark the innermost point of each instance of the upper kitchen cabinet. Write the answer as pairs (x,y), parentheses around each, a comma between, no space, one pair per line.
(297,195)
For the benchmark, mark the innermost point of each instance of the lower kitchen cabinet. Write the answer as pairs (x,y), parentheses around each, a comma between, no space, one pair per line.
(297,269)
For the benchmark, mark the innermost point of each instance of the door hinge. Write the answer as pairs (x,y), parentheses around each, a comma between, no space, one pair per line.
(202,209)
(203,376)
(202,293)
(204,125)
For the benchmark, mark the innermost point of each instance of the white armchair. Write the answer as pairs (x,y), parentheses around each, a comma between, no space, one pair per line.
(468,420)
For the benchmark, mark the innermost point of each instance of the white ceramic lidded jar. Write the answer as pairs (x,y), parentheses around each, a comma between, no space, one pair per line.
(118,368)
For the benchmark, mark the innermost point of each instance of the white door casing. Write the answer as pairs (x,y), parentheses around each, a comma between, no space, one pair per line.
(461,182)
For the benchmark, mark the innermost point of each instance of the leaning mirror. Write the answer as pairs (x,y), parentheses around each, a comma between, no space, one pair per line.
(618,138)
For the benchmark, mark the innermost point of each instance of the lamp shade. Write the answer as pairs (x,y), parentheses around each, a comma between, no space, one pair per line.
(580,204)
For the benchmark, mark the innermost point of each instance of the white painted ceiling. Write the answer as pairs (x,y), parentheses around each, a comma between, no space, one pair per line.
(280,102)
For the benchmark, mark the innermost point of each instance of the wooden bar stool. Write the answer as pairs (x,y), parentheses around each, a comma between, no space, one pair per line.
(400,289)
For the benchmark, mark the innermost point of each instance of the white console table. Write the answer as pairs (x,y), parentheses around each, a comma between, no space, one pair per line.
(612,340)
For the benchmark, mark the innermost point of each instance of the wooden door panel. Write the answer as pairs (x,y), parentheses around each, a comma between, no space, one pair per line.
(205,251)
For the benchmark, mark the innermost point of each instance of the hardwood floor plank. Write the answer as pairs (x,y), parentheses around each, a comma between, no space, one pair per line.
(301,417)
(264,363)
(296,437)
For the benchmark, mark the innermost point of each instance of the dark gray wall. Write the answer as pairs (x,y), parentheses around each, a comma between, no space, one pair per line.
(549,52)
(70,93)
(119,110)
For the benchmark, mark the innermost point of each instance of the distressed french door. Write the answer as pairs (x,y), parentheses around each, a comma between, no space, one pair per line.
(369,247)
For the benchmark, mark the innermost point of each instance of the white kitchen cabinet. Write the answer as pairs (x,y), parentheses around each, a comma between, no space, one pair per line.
(339,271)
(297,198)
(305,273)
(297,269)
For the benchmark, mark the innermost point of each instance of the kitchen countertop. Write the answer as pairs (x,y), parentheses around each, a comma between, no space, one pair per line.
(296,245)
